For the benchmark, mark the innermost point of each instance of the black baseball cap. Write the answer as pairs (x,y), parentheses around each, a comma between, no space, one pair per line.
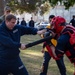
(51,16)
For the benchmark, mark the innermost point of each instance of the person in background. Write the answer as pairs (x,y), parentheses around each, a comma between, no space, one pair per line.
(18,21)
(10,35)
(7,11)
(23,22)
(72,22)
(47,56)
(31,23)
(66,40)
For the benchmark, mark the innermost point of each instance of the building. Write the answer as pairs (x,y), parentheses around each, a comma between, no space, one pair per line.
(61,11)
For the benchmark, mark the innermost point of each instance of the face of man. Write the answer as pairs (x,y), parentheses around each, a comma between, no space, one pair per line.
(6,12)
(10,24)
(51,24)
(50,20)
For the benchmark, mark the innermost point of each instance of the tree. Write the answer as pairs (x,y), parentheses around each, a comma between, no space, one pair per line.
(24,5)
(33,5)
(1,7)
(44,7)
(66,3)
(28,6)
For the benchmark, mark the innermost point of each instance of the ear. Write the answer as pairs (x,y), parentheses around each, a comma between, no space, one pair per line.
(6,21)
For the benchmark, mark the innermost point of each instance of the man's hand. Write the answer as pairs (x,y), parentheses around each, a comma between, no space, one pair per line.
(41,31)
(42,50)
(23,46)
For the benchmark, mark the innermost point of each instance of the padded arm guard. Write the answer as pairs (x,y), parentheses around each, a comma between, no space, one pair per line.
(38,42)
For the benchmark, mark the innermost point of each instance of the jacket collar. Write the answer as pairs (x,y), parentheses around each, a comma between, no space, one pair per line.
(4,25)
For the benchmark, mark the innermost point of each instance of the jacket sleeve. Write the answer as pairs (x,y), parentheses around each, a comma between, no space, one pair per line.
(28,30)
(7,41)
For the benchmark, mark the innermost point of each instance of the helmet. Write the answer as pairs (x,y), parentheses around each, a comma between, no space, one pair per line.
(58,23)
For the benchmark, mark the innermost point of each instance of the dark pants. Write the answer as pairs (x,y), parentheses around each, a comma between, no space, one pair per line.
(60,64)
(15,67)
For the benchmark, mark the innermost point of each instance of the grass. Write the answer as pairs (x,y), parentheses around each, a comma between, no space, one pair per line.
(33,58)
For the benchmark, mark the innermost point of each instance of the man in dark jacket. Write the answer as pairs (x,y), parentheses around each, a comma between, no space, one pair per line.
(7,11)
(72,22)
(23,22)
(31,22)
(10,34)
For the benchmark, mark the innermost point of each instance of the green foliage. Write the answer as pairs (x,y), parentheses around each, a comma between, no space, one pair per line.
(28,5)
(69,3)
(66,3)
(44,8)
(33,5)
(24,5)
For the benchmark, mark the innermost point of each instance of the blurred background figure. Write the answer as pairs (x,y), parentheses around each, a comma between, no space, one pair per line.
(23,22)
(72,22)
(31,23)
(7,11)
(18,21)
